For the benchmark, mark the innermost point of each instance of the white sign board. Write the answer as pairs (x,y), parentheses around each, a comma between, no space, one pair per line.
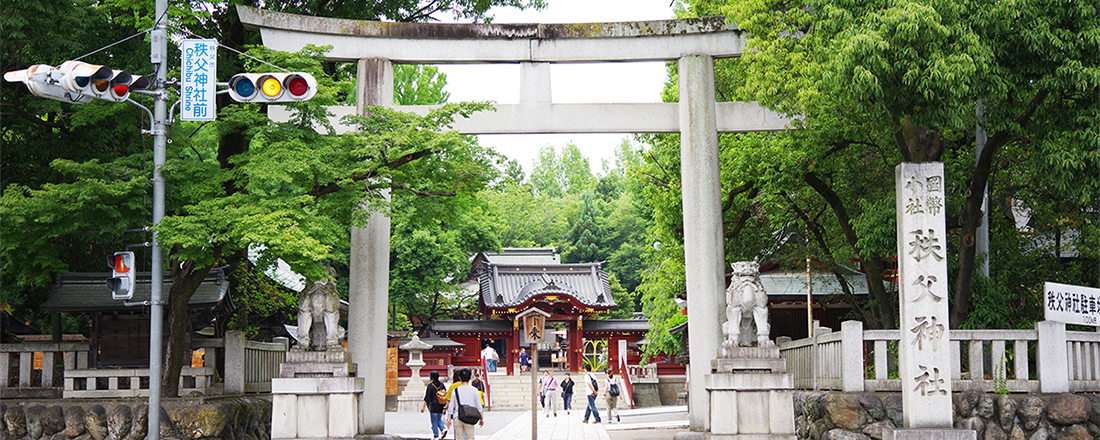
(199,71)
(1071,304)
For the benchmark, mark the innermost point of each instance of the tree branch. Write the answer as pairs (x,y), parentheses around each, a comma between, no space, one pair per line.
(330,188)
(747,186)
(451,193)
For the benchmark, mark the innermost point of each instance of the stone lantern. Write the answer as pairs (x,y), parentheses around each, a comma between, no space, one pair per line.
(416,348)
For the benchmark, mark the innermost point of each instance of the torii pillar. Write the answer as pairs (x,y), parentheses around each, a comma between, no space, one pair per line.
(704,256)
(369,282)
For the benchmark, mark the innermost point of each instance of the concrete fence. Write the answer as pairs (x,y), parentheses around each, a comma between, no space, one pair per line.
(249,368)
(249,365)
(31,382)
(1046,359)
(130,382)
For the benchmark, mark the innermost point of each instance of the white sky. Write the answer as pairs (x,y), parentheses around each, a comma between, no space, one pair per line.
(571,83)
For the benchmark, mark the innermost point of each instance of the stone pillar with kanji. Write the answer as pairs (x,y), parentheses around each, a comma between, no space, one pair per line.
(925,357)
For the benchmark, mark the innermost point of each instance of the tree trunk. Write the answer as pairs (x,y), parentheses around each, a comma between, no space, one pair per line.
(186,279)
(872,268)
(971,216)
(918,144)
(818,233)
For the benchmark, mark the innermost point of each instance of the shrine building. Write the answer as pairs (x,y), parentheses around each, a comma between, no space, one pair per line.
(574,295)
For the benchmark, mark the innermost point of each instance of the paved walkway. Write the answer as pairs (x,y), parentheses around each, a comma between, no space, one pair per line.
(517,425)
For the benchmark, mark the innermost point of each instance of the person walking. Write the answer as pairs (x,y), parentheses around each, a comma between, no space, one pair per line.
(454,384)
(542,392)
(491,357)
(477,383)
(465,395)
(612,398)
(524,359)
(549,386)
(592,389)
(567,393)
(435,405)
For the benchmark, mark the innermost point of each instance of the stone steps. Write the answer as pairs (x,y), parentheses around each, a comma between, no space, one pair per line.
(513,393)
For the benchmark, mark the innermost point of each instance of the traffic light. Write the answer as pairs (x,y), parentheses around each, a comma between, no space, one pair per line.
(123,275)
(44,80)
(100,81)
(78,82)
(272,87)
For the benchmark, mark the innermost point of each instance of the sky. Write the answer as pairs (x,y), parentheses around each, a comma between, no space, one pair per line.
(571,83)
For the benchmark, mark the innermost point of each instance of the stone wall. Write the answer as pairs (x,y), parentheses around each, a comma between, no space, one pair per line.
(669,387)
(230,418)
(834,416)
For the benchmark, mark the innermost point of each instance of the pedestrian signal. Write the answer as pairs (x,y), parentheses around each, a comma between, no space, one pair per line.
(123,275)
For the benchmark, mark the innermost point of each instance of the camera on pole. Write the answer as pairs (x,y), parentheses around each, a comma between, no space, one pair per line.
(44,80)
(78,82)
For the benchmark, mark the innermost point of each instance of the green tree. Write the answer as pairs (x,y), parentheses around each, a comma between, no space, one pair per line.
(415,84)
(586,236)
(908,77)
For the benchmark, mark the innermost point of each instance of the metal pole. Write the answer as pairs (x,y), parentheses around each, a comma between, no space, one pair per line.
(809,294)
(534,391)
(982,235)
(158,55)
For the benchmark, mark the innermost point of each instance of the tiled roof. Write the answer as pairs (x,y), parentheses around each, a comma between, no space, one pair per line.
(544,255)
(508,285)
(794,283)
(87,292)
(452,326)
(616,325)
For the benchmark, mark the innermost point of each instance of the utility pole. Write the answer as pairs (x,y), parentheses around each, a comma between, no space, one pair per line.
(158,55)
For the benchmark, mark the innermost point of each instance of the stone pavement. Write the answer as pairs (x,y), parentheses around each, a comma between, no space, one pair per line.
(517,425)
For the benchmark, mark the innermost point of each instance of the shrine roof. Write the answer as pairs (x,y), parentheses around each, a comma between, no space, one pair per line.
(510,285)
(543,255)
(503,325)
(467,326)
(88,292)
(616,325)
(436,343)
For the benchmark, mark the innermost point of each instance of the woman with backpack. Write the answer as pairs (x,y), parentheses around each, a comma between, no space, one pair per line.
(434,402)
(612,398)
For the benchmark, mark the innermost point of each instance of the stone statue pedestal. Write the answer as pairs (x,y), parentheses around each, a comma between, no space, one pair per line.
(751,396)
(928,434)
(317,396)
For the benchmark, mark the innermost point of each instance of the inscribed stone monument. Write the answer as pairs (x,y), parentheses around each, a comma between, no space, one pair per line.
(925,357)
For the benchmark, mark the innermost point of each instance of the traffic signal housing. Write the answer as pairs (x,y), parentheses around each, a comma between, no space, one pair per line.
(123,275)
(272,87)
(100,81)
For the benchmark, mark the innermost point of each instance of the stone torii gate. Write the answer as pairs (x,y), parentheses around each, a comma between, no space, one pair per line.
(693,43)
